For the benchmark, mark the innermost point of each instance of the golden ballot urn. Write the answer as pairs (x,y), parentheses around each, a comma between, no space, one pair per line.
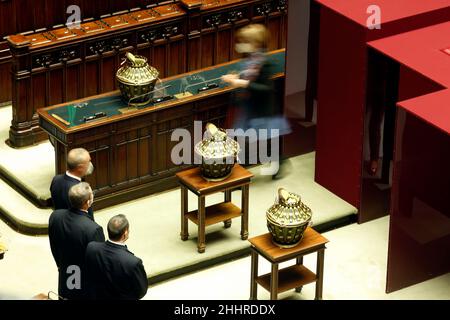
(219,154)
(288,219)
(136,80)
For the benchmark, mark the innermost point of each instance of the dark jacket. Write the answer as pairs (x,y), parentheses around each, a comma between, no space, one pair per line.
(114,273)
(259,97)
(60,192)
(70,231)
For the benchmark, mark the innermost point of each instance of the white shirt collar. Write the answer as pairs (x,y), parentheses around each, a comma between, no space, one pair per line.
(118,243)
(72,176)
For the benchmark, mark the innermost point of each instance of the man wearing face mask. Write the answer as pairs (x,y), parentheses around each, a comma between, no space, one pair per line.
(70,231)
(113,272)
(79,165)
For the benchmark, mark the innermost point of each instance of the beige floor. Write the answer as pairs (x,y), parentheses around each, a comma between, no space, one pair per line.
(355,259)
(155,223)
(355,268)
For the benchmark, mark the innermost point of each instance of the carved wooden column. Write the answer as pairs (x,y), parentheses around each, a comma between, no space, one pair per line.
(24,128)
(7,26)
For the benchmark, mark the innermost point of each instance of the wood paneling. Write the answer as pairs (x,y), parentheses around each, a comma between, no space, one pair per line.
(212,29)
(25,16)
(63,64)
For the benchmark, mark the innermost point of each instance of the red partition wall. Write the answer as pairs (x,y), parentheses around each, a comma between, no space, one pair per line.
(342,84)
(419,235)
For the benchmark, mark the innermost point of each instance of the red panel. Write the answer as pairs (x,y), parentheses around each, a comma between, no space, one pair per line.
(419,237)
(430,60)
(342,80)
(356,10)
(341,100)
(412,84)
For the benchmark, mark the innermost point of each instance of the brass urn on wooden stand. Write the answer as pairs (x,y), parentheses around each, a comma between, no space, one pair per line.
(136,80)
(219,154)
(288,219)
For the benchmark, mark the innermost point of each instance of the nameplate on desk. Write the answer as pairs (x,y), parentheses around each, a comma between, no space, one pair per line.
(67,123)
(162,99)
(183,95)
(96,116)
(208,87)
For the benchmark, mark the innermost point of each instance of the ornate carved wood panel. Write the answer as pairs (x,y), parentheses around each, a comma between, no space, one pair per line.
(26,16)
(65,64)
(213,25)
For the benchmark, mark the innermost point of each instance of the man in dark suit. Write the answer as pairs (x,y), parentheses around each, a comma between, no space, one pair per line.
(79,165)
(113,272)
(70,231)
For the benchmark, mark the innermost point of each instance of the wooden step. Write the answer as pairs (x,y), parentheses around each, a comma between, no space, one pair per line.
(216,213)
(289,278)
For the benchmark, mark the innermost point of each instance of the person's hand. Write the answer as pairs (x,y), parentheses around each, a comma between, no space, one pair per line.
(234,81)
(240,83)
(229,78)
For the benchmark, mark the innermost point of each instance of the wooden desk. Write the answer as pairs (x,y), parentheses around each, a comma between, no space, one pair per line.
(223,212)
(294,277)
(131,152)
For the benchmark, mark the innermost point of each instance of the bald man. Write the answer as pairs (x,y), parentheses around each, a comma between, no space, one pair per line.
(79,165)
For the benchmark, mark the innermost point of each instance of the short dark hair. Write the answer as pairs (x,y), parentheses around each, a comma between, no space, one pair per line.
(79,194)
(117,226)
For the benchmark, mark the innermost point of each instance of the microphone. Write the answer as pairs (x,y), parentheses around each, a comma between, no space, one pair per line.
(205,88)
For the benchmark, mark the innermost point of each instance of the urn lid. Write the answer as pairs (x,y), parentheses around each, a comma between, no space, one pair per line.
(216,144)
(288,210)
(135,70)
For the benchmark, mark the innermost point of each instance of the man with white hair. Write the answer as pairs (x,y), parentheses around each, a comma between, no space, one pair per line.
(79,165)
(70,231)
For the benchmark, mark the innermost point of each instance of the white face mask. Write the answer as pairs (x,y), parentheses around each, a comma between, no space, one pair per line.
(90,169)
(244,47)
